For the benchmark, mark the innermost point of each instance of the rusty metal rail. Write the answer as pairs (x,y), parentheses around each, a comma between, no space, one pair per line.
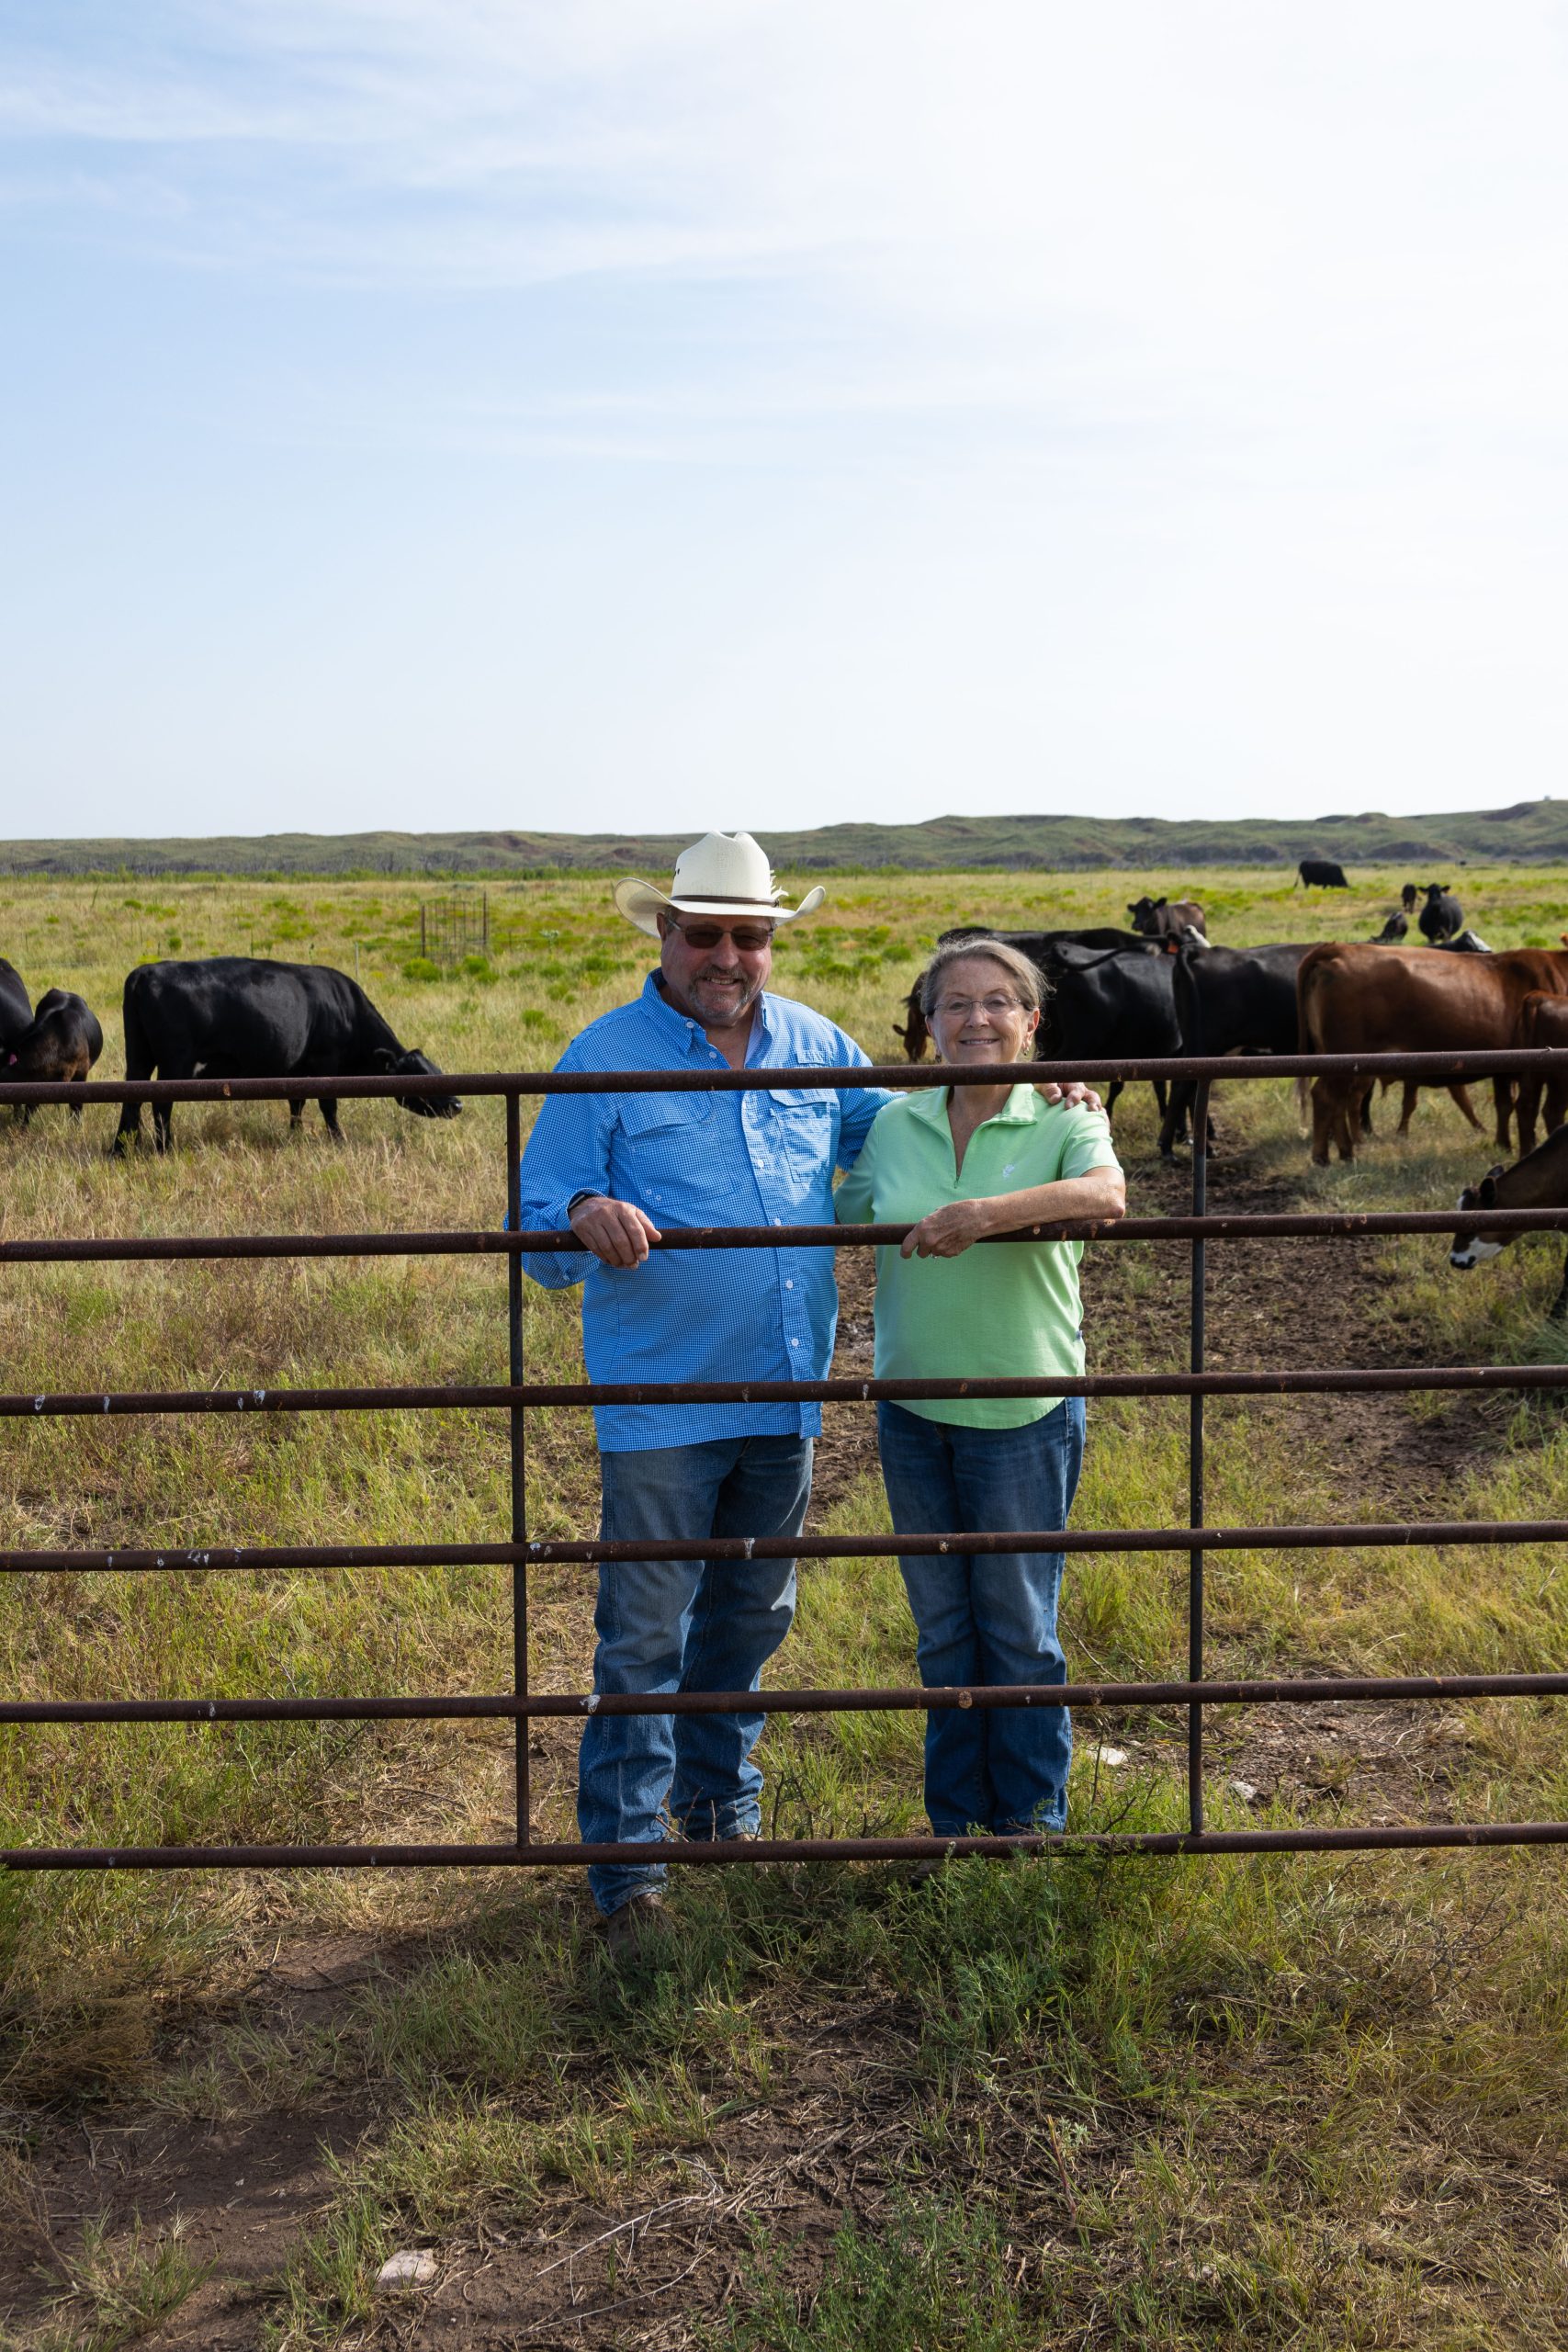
(460,1242)
(209,1560)
(1428,1070)
(1328,1690)
(517,1396)
(1329,1381)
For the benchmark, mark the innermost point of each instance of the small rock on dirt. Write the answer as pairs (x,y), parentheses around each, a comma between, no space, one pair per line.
(413,2265)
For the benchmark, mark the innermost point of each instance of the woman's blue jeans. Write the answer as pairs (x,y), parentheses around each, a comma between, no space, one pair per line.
(986,1619)
(686,1625)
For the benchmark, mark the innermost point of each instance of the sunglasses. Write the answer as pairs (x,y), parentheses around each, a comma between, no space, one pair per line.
(748,936)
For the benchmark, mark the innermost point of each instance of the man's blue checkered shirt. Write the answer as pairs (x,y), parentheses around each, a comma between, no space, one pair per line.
(687,1160)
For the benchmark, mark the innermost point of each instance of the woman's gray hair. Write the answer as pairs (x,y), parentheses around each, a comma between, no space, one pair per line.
(1028,982)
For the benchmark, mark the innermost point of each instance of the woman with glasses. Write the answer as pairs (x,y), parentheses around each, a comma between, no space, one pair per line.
(962,1164)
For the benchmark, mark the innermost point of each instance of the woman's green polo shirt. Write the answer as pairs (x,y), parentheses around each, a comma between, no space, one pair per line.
(1001,1309)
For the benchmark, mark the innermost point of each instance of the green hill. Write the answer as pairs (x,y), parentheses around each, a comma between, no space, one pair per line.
(1531,830)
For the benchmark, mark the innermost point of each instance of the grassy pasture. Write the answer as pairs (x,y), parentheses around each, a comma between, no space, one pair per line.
(1278,2102)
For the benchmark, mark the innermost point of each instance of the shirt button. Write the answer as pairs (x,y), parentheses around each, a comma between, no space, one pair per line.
(795,1343)
(778,1220)
(789,1285)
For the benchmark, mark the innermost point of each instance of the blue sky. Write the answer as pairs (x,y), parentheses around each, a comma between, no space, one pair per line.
(471,413)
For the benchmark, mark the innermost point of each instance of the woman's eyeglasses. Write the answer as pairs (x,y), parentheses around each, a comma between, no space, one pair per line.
(748,936)
(996,1007)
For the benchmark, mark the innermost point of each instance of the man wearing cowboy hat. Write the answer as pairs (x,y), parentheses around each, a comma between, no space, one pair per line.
(617,1168)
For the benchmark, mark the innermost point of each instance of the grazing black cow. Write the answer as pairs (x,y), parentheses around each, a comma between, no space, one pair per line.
(1032,943)
(1392,931)
(1320,874)
(1230,1000)
(1408,896)
(15,1006)
(1464,943)
(1165,918)
(1108,1004)
(1441,916)
(238,1016)
(59,1047)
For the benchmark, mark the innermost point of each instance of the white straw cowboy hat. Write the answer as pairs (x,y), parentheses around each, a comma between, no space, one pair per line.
(724,874)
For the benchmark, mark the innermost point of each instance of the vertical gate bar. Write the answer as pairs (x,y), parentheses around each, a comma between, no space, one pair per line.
(1195,1462)
(519,1457)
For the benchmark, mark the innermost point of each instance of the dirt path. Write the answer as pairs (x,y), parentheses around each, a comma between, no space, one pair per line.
(1290,1305)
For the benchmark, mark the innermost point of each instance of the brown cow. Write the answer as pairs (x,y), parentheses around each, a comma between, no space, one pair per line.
(1539,1181)
(1358,1001)
(1543,1021)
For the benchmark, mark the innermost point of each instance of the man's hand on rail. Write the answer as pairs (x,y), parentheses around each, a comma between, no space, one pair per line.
(617,1233)
(1075,1096)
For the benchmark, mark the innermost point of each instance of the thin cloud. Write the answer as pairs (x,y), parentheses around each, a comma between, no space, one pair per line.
(1143,398)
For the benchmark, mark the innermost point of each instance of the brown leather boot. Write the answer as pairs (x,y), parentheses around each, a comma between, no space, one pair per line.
(634,1925)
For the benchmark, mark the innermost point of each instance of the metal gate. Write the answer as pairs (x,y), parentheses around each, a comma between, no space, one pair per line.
(519,1396)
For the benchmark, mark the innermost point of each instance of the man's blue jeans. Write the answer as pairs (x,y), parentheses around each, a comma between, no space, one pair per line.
(987,1619)
(686,1625)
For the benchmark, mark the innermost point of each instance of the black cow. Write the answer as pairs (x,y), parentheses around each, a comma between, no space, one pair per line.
(1106,1004)
(1098,935)
(1032,943)
(1464,943)
(61,1047)
(1392,931)
(238,1016)
(15,1006)
(1408,896)
(1320,874)
(1230,1000)
(1165,918)
(1442,916)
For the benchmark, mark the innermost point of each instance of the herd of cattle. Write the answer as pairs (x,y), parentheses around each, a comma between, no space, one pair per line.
(1157,989)
(1161,988)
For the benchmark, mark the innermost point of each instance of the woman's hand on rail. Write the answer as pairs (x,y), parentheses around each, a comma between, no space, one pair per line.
(617,1233)
(949,1231)
(1100,1196)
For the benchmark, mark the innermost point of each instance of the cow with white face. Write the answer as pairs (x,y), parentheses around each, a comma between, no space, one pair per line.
(1539,1181)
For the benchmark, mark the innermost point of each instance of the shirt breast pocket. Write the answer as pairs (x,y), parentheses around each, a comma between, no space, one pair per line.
(806,1132)
(667,1139)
